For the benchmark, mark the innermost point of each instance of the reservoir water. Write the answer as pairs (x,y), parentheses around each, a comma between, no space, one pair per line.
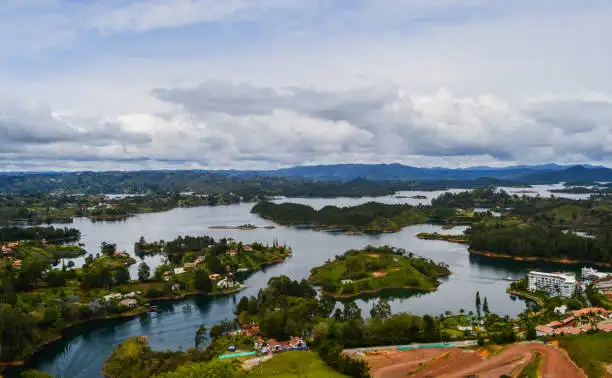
(83,350)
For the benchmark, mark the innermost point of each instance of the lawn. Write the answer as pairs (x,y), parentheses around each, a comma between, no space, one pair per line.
(590,352)
(295,365)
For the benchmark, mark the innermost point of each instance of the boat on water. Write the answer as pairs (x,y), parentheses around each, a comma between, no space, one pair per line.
(152,308)
(509,278)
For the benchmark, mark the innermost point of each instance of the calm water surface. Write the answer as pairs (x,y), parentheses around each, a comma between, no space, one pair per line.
(84,349)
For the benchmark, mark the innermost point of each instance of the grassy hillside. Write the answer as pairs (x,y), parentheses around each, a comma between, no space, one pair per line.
(373,269)
(590,352)
(294,365)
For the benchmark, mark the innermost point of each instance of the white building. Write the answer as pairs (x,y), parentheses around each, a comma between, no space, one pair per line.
(554,284)
(179,270)
(592,274)
(110,297)
(560,310)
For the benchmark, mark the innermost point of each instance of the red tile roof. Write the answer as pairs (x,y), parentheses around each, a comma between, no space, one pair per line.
(588,310)
(545,329)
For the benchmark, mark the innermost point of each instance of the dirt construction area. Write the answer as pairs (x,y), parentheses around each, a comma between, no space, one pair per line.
(470,363)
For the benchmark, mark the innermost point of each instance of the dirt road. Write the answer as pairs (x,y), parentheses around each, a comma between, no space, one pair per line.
(461,363)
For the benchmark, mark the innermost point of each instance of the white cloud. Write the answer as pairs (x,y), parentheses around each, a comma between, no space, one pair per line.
(319,81)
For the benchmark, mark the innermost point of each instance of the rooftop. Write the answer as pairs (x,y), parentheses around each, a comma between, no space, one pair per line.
(564,276)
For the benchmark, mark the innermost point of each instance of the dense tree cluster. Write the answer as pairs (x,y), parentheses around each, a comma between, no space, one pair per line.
(50,234)
(369,216)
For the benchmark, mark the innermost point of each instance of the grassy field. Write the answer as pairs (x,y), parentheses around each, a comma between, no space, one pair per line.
(294,365)
(590,352)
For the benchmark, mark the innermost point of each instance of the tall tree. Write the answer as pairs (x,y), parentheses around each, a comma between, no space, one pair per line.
(381,310)
(485,306)
(144,272)
(201,281)
(122,275)
(351,311)
(478,303)
(200,336)
(108,248)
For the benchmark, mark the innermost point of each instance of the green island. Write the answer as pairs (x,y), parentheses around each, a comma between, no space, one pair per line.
(371,217)
(38,301)
(462,239)
(374,269)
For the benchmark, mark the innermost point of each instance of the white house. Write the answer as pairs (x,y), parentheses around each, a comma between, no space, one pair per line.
(346,282)
(592,274)
(555,284)
(110,297)
(129,303)
(225,283)
(180,270)
(560,310)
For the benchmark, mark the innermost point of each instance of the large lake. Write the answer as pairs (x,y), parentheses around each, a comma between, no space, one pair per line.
(82,352)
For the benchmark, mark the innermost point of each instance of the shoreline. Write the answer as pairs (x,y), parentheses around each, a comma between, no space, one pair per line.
(128,314)
(374,291)
(532,258)
(136,312)
(459,239)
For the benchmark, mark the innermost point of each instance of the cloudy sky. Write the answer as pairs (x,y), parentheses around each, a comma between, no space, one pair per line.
(135,84)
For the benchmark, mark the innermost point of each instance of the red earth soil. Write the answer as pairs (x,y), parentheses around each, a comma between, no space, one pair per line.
(460,363)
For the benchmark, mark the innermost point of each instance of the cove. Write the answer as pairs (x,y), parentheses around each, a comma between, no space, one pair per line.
(83,350)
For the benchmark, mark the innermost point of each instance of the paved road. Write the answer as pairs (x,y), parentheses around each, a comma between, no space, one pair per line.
(456,344)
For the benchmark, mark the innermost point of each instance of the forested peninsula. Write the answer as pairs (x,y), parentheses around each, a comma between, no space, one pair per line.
(39,298)
(534,228)
(371,217)
(374,269)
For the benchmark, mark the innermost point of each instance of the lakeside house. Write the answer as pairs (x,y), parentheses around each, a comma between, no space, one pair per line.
(129,303)
(214,276)
(604,284)
(179,270)
(555,284)
(232,252)
(189,266)
(592,274)
(225,283)
(248,248)
(110,297)
(346,282)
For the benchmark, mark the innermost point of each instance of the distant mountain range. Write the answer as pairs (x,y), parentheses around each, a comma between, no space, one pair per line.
(527,174)
(545,173)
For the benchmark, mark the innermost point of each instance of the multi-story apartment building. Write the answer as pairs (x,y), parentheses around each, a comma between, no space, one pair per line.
(555,284)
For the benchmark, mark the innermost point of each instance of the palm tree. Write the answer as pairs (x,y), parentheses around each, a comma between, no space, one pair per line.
(461,311)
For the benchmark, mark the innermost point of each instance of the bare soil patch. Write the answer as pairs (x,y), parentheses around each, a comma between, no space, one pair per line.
(379,274)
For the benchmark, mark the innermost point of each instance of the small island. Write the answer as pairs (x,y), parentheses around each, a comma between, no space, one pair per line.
(247,226)
(374,269)
(446,237)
